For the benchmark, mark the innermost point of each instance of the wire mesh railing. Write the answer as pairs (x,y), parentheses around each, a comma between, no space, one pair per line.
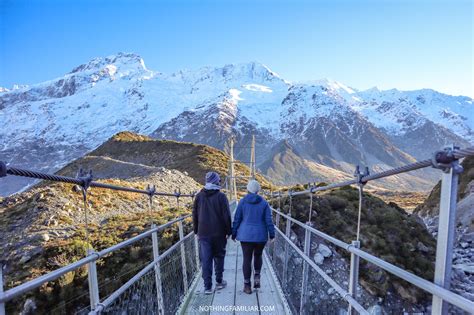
(141,295)
(285,247)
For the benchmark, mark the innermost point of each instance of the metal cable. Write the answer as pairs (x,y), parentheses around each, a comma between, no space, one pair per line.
(444,155)
(80,181)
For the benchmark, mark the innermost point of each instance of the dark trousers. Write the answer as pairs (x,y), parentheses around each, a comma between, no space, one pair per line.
(212,250)
(255,250)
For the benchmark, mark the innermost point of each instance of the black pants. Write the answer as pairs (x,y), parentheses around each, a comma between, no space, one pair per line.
(212,251)
(251,249)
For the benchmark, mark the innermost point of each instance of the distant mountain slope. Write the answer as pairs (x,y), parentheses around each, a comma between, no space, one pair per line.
(287,166)
(49,124)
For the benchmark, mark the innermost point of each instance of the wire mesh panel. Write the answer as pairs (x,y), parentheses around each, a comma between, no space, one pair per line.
(191,263)
(277,255)
(142,296)
(139,298)
(292,285)
(172,281)
(335,263)
(322,298)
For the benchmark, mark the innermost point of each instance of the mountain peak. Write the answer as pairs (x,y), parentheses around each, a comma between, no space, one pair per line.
(122,62)
(252,69)
(331,84)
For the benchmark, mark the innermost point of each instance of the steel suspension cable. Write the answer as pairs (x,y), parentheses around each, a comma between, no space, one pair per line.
(440,159)
(77,181)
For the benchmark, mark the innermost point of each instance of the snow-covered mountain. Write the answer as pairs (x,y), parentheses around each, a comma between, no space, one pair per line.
(47,125)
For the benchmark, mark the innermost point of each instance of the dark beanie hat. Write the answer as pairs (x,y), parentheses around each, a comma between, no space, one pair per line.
(213,178)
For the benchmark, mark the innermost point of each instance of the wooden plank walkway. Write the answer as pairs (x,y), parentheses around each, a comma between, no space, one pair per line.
(232,300)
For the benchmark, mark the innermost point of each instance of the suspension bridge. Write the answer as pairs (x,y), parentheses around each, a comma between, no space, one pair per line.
(171,283)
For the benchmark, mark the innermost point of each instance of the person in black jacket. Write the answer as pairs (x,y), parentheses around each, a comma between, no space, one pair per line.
(212,225)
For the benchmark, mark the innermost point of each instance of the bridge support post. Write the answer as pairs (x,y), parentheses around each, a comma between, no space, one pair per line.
(277,224)
(304,282)
(2,305)
(285,264)
(156,255)
(354,276)
(183,257)
(93,282)
(196,246)
(446,230)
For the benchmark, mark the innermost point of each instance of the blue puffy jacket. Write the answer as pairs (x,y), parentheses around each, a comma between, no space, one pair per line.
(253,220)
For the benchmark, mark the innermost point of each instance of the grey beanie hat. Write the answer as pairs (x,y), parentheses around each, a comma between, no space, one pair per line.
(253,186)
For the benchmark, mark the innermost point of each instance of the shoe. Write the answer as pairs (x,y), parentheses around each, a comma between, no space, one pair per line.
(248,288)
(221,285)
(208,291)
(256,281)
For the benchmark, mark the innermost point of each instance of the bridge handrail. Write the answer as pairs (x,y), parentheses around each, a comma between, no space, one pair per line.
(419,282)
(55,274)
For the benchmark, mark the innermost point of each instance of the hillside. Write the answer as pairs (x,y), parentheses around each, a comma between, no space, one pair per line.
(127,154)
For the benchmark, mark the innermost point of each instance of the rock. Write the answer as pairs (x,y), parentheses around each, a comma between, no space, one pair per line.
(29,307)
(44,237)
(318,259)
(405,293)
(330,291)
(422,247)
(464,244)
(324,250)
(51,221)
(24,259)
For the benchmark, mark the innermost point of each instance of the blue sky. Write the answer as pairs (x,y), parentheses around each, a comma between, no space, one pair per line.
(389,44)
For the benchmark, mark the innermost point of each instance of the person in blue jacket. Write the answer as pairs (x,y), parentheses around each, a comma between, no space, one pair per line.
(252,226)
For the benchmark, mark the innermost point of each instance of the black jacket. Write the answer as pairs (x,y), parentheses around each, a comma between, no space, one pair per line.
(211,214)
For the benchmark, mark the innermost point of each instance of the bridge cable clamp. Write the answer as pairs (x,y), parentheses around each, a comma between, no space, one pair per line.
(445,160)
(86,179)
(3,169)
(360,176)
(151,190)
